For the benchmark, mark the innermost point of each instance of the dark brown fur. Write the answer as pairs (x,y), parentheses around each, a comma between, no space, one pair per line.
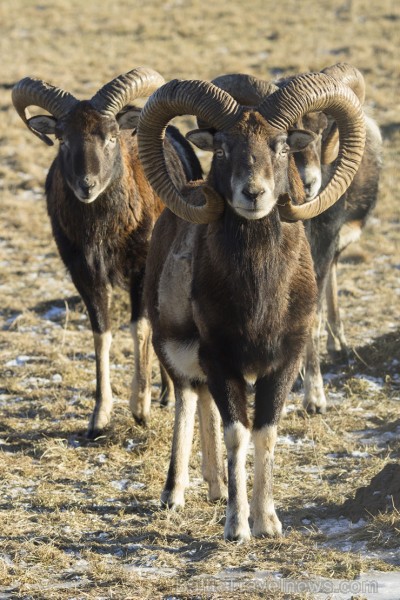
(105,243)
(246,291)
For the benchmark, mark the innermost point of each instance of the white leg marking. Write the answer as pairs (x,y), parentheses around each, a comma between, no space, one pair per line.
(140,399)
(336,338)
(104,400)
(213,465)
(178,474)
(237,512)
(314,393)
(265,520)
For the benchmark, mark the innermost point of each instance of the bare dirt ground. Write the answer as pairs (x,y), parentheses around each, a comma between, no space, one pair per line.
(82,520)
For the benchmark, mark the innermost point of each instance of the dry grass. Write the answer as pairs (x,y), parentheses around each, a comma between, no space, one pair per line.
(81,520)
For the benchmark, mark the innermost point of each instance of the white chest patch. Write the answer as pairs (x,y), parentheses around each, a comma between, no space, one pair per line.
(184,358)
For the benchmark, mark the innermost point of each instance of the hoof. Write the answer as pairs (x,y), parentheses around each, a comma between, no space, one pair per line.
(339,356)
(165,400)
(141,421)
(312,409)
(268,527)
(173,499)
(217,492)
(97,425)
(95,432)
(238,535)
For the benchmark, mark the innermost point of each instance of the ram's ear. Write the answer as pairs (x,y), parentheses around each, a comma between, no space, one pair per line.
(202,138)
(299,139)
(128,118)
(330,144)
(43,124)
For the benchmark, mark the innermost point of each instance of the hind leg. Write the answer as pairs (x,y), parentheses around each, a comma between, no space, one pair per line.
(336,344)
(213,465)
(167,387)
(140,399)
(173,494)
(314,393)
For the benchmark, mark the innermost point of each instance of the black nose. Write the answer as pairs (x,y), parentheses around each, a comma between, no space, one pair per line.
(309,185)
(86,186)
(252,195)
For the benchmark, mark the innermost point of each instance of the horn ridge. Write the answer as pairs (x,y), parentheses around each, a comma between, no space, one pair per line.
(124,89)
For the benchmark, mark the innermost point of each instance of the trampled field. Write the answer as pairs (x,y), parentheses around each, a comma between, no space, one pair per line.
(81,519)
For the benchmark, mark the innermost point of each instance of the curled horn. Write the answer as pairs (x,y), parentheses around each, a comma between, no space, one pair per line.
(320,92)
(198,98)
(36,92)
(352,77)
(121,91)
(247,90)
(109,100)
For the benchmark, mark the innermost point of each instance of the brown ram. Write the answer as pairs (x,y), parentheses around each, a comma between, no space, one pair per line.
(230,285)
(102,209)
(337,227)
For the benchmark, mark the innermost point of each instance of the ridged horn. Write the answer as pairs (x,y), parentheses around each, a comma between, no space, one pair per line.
(320,92)
(247,90)
(36,92)
(199,98)
(352,77)
(124,89)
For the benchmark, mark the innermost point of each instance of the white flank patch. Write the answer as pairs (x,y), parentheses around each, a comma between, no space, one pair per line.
(184,358)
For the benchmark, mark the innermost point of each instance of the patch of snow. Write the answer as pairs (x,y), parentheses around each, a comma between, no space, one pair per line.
(54,313)
(13,492)
(373,437)
(21,360)
(308,469)
(374,383)
(136,485)
(290,440)
(130,445)
(359,454)
(155,572)
(120,485)
(333,527)
(35,382)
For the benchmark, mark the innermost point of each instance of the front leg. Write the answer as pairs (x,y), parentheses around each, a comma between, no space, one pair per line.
(265,519)
(229,393)
(237,438)
(270,397)
(104,399)
(98,305)
(96,295)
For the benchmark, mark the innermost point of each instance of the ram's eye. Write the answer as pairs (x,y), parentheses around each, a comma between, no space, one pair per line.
(282,149)
(219,153)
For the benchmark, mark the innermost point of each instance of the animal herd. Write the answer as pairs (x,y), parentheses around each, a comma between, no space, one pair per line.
(227,283)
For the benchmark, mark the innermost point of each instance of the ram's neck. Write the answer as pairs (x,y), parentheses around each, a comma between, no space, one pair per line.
(244,245)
